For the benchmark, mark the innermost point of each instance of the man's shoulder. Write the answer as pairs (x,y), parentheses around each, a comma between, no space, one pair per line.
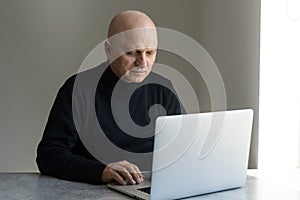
(86,76)
(91,72)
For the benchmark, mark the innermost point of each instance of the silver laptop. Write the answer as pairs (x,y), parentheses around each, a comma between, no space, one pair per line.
(195,154)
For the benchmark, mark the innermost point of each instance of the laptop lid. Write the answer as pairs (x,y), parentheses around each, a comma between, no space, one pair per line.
(200,153)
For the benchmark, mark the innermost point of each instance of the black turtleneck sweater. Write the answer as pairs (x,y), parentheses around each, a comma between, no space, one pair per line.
(99,92)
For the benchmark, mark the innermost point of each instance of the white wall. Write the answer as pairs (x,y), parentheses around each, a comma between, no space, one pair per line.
(279,85)
(43,42)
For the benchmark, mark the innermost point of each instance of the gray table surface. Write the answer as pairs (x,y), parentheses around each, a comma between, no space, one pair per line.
(33,186)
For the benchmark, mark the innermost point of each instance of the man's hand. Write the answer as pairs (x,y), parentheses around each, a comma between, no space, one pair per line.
(123,172)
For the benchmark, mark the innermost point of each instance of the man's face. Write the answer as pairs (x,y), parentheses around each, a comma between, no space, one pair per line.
(132,54)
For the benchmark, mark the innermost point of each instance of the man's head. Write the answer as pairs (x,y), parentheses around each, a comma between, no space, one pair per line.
(131,45)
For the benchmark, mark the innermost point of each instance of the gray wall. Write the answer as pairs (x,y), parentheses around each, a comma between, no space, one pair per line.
(44,42)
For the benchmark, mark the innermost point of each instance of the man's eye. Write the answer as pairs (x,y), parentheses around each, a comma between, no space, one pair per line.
(150,52)
(129,53)
(133,53)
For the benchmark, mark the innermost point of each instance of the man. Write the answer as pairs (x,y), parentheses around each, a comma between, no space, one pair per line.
(131,52)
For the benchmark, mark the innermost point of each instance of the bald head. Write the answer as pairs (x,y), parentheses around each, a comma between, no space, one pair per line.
(131,45)
(127,20)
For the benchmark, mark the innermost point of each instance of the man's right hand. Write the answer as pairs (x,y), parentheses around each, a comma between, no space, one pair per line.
(123,172)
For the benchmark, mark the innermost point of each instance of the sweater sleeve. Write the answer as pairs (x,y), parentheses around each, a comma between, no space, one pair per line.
(55,153)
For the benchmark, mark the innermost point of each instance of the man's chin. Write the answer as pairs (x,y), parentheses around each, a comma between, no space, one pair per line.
(137,80)
(134,79)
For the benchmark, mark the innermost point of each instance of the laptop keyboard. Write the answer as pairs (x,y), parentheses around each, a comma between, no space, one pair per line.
(145,189)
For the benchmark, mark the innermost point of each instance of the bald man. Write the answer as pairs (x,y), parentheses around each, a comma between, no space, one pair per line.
(126,90)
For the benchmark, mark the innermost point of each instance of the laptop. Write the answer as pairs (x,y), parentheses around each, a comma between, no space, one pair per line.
(196,154)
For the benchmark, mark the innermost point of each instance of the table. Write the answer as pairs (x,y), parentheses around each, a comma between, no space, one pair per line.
(33,186)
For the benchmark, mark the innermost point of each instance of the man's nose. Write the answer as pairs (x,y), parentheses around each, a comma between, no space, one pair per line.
(141,59)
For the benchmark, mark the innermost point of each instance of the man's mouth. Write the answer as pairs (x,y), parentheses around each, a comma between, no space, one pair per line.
(139,72)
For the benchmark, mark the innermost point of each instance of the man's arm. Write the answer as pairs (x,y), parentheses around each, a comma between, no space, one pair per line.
(55,153)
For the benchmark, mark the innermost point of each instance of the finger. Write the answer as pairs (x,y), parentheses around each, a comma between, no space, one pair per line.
(138,175)
(134,171)
(126,175)
(138,172)
(117,177)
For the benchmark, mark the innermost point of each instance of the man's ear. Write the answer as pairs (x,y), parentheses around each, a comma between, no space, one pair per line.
(108,50)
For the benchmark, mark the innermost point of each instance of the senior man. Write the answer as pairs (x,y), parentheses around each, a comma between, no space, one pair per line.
(131,50)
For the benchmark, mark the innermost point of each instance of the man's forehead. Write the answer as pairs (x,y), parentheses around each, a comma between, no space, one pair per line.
(141,38)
